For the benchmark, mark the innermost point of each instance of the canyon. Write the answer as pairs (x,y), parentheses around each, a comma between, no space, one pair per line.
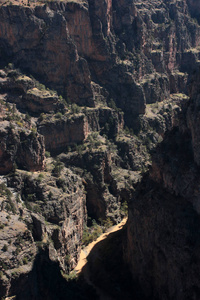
(99,120)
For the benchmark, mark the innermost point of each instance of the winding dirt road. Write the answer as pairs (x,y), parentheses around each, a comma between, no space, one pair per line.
(82,263)
(85,252)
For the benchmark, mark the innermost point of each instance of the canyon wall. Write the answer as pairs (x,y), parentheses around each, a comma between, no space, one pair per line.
(163,225)
(115,44)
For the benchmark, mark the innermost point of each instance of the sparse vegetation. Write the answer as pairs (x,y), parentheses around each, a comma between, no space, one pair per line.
(25,260)
(70,277)
(47,154)
(75,108)
(124,208)
(58,167)
(91,233)
(1,274)
(40,177)
(58,115)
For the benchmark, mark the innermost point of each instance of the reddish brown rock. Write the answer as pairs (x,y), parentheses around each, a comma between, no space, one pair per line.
(112,43)
(66,72)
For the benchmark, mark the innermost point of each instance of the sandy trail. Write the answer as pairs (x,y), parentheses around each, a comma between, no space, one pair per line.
(86,251)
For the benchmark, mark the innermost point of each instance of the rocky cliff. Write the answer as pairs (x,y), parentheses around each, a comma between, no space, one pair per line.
(163,226)
(40,212)
(110,43)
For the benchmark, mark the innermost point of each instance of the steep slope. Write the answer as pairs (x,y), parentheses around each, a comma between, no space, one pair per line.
(163,226)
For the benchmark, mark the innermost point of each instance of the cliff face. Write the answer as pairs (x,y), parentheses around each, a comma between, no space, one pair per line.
(163,226)
(31,38)
(45,213)
(26,149)
(65,132)
(112,43)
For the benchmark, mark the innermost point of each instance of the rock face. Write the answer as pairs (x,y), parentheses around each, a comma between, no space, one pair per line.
(105,193)
(24,148)
(110,43)
(38,214)
(66,131)
(66,71)
(61,201)
(163,235)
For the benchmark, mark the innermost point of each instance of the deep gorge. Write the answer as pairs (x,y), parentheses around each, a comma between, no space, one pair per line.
(99,119)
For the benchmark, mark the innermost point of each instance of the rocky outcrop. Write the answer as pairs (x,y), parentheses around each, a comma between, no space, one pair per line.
(37,52)
(39,212)
(97,165)
(105,120)
(156,88)
(29,95)
(133,153)
(24,148)
(107,184)
(16,255)
(64,131)
(61,202)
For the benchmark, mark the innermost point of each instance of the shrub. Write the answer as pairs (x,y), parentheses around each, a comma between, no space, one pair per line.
(107,223)
(58,168)
(124,208)
(41,117)
(40,177)
(58,115)
(2,226)
(25,260)
(5,248)
(47,154)
(36,208)
(92,233)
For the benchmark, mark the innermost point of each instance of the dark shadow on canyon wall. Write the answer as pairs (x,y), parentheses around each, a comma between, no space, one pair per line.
(108,272)
(45,282)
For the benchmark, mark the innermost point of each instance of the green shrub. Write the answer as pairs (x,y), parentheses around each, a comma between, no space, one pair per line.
(40,177)
(58,168)
(58,115)
(1,274)
(25,260)
(36,208)
(124,208)
(107,223)
(90,234)
(75,108)
(47,154)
